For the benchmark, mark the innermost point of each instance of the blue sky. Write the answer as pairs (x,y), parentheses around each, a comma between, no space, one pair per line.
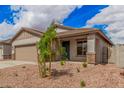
(80,16)
(6,14)
(77,18)
(34,16)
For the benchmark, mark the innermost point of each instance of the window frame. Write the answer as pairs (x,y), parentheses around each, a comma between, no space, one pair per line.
(84,43)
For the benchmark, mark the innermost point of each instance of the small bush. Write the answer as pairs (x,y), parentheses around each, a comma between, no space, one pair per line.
(78,70)
(84,64)
(15,74)
(122,73)
(62,63)
(82,83)
(47,69)
(23,66)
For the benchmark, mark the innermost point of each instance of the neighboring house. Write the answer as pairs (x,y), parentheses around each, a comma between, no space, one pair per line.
(85,44)
(5,50)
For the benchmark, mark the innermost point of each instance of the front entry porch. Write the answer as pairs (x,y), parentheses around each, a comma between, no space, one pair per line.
(80,48)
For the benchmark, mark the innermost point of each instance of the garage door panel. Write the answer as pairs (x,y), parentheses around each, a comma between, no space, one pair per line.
(26,53)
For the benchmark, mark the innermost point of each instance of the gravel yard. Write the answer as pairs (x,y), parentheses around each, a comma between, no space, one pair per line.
(67,76)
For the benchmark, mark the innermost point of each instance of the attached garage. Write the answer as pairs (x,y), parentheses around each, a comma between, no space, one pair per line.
(24,45)
(26,53)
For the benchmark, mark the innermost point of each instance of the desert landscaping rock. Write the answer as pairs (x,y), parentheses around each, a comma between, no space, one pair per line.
(63,76)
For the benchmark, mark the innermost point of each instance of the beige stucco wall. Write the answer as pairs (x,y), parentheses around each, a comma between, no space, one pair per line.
(25,41)
(24,38)
(113,57)
(117,56)
(101,46)
(91,43)
(99,49)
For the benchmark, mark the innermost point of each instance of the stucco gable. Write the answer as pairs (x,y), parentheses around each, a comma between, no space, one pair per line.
(26,33)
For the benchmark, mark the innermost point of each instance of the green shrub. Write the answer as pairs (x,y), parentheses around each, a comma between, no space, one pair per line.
(62,62)
(84,64)
(23,66)
(82,83)
(64,55)
(78,70)
(47,69)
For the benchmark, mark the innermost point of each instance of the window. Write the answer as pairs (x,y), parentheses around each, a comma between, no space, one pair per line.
(81,48)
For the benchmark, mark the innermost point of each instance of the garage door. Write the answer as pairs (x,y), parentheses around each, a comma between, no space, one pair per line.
(26,53)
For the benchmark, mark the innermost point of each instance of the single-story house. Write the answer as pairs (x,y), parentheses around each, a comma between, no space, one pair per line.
(84,44)
(5,49)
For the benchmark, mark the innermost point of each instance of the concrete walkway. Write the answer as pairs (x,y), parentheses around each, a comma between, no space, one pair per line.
(11,63)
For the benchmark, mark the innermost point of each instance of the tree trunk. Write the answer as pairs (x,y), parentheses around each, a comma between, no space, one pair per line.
(50,59)
(50,67)
(39,65)
(44,69)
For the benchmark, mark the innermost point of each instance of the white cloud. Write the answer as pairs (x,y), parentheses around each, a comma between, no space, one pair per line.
(113,16)
(5,28)
(37,17)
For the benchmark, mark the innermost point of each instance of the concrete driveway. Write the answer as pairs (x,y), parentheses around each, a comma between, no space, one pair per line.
(11,63)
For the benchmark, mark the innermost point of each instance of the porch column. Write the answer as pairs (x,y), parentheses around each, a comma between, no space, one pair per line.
(91,54)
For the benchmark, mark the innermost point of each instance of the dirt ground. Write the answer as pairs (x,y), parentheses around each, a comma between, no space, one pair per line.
(67,76)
